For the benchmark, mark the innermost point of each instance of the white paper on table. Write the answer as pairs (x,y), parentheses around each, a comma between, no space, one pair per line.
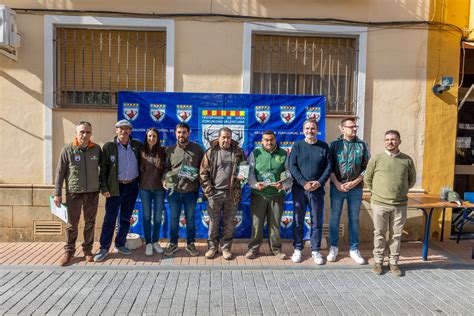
(60,211)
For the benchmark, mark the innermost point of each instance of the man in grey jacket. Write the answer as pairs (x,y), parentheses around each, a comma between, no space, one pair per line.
(79,166)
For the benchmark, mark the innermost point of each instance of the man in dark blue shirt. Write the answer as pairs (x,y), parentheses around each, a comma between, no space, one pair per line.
(310,167)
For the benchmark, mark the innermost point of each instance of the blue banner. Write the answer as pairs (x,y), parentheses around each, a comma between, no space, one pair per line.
(248,115)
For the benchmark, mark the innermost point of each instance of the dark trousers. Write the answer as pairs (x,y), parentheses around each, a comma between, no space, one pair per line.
(301,201)
(269,208)
(122,207)
(221,209)
(88,202)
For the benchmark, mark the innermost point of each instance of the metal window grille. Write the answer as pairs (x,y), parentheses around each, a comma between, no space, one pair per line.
(307,65)
(92,65)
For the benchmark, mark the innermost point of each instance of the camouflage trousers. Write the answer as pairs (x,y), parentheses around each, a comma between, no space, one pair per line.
(221,210)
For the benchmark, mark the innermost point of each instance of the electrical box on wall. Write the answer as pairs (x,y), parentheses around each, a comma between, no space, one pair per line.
(9,37)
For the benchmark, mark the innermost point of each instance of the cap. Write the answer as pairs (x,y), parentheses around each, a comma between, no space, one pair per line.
(123,123)
(171,179)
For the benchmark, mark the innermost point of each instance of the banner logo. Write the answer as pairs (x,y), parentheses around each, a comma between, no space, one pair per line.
(182,220)
(205,219)
(262,113)
(157,112)
(287,219)
(184,112)
(130,111)
(238,218)
(287,146)
(307,219)
(287,114)
(213,120)
(134,218)
(313,113)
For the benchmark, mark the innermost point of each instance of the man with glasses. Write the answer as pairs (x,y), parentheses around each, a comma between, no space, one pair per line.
(184,160)
(349,158)
(119,184)
(79,166)
(310,167)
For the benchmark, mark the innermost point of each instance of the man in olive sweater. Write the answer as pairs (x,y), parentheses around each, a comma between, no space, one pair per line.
(389,176)
(79,166)
(267,164)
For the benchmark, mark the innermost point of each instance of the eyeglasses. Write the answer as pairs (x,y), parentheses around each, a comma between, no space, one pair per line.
(352,127)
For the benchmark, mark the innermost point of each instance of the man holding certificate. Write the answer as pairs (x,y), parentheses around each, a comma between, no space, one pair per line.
(79,166)
(222,170)
(268,178)
(182,163)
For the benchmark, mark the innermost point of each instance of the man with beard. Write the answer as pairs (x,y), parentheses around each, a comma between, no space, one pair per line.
(222,187)
(267,165)
(389,176)
(79,166)
(184,160)
(119,184)
(310,167)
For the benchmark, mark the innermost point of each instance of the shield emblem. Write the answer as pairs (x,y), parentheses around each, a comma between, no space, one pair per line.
(287,219)
(262,113)
(77,157)
(205,218)
(112,158)
(157,112)
(287,114)
(134,218)
(131,111)
(307,219)
(182,220)
(238,218)
(313,113)
(184,112)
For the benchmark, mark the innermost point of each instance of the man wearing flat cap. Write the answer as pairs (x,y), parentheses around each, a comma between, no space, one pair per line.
(119,184)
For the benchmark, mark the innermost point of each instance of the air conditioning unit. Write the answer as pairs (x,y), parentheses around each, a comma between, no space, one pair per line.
(9,37)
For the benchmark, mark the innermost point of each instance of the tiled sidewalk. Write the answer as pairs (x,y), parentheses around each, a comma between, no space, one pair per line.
(41,253)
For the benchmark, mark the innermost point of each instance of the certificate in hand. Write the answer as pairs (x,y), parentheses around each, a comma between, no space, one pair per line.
(60,211)
(243,171)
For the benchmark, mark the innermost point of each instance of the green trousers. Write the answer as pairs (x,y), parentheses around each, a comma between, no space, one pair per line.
(271,209)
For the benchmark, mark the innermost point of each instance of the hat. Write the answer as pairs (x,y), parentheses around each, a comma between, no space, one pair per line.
(123,123)
(453,196)
(171,179)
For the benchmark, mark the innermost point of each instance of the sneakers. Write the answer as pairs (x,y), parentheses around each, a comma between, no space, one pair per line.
(100,256)
(124,250)
(251,254)
(171,249)
(210,253)
(149,250)
(281,255)
(157,247)
(296,257)
(66,260)
(317,257)
(395,270)
(377,268)
(226,254)
(356,256)
(191,249)
(333,251)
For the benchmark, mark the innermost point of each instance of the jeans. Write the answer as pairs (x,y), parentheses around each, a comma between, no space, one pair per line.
(301,200)
(177,202)
(158,199)
(354,200)
(124,203)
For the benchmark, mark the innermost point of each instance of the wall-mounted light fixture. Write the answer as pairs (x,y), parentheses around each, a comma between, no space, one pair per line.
(446,83)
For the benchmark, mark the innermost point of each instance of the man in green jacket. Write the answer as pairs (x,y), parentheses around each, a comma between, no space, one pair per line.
(389,176)
(79,166)
(119,184)
(267,165)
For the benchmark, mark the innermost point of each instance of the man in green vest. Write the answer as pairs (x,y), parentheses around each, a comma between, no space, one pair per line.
(79,166)
(268,178)
(389,176)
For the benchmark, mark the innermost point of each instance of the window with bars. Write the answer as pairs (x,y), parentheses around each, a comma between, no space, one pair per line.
(307,65)
(92,65)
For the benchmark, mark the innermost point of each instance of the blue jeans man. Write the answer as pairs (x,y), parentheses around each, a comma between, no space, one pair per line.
(158,199)
(187,202)
(354,201)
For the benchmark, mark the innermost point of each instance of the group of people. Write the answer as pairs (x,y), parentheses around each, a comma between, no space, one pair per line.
(125,168)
